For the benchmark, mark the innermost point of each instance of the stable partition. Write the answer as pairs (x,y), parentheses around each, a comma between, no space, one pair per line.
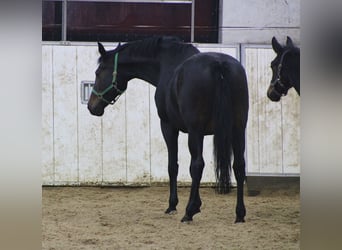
(125,145)
(273,131)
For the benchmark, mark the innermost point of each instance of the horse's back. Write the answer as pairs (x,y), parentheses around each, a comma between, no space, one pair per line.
(194,87)
(204,67)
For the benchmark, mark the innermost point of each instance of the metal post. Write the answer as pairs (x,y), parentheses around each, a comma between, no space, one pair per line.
(64,20)
(192,21)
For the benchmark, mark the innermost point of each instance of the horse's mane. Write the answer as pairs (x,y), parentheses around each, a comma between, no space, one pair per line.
(148,47)
(151,47)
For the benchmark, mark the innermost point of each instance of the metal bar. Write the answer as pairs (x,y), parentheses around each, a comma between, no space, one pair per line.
(192,21)
(130,1)
(64,20)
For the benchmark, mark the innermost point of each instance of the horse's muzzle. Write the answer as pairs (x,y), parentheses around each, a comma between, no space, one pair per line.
(95,110)
(273,95)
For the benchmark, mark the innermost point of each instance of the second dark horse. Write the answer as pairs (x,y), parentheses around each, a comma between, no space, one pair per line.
(285,69)
(196,93)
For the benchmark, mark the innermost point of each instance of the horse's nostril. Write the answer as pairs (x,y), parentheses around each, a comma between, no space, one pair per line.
(272,95)
(95,110)
(90,108)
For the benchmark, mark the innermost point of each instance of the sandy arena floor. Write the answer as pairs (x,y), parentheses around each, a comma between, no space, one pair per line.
(133,218)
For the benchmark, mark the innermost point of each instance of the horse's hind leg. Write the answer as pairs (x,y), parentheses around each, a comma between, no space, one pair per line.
(170,135)
(239,171)
(195,142)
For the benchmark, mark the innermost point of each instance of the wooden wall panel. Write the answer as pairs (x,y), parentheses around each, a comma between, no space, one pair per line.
(269,113)
(252,137)
(65,114)
(159,156)
(138,132)
(114,143)
(48,167)
(89,127)
(273,127)
(291,132)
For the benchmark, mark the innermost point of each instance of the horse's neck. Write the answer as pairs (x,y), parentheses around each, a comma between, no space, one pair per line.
(296,84)
(295,75)
(148,72)
(156,71)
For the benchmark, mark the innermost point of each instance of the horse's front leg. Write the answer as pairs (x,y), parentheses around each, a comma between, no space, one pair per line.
(195,143)
(170,135)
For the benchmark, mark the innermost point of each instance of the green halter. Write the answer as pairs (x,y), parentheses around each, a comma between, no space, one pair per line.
(112,86)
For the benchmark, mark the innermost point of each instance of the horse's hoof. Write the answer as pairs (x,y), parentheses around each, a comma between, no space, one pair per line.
(239,220)
(186,219)
(171,211)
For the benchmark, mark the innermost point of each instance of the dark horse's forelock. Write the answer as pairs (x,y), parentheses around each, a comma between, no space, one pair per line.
(293,49)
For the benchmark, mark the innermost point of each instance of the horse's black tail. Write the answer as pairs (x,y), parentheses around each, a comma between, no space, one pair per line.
(223,127)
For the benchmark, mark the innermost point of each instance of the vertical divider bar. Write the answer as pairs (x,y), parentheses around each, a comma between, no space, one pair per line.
(64,20)
(53,117)
(192,21)
(77,121)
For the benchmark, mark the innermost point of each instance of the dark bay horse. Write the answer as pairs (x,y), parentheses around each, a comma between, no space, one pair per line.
(285,68)
(196,93)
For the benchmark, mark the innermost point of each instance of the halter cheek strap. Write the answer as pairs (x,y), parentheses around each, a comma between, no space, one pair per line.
(112,86)
(279,69)
(278,80)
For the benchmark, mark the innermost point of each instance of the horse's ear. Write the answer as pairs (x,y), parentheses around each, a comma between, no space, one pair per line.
(276,45)
(102,50)
(289,42)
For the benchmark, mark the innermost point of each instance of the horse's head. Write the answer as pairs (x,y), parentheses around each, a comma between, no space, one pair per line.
(109,83)
(281,69)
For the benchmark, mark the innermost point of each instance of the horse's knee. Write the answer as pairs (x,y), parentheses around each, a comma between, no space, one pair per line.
(196,168)
(173,170)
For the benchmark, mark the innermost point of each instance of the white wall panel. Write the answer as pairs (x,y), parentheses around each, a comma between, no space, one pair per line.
(269,113)
(261,13)
(273,127)
(89,127)
(138,131)
(47,117)
(65,114)
(159,160)
(291,132)
(183,158)
(255,21)
(114,144)
(252,135)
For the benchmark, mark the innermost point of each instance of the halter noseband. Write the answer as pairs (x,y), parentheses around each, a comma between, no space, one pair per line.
(112,86)
(278,80)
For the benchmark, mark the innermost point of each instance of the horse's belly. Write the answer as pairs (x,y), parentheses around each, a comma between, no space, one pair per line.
(176,120)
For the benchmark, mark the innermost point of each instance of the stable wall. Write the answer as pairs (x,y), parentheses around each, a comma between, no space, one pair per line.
(126,147)
(255,21)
